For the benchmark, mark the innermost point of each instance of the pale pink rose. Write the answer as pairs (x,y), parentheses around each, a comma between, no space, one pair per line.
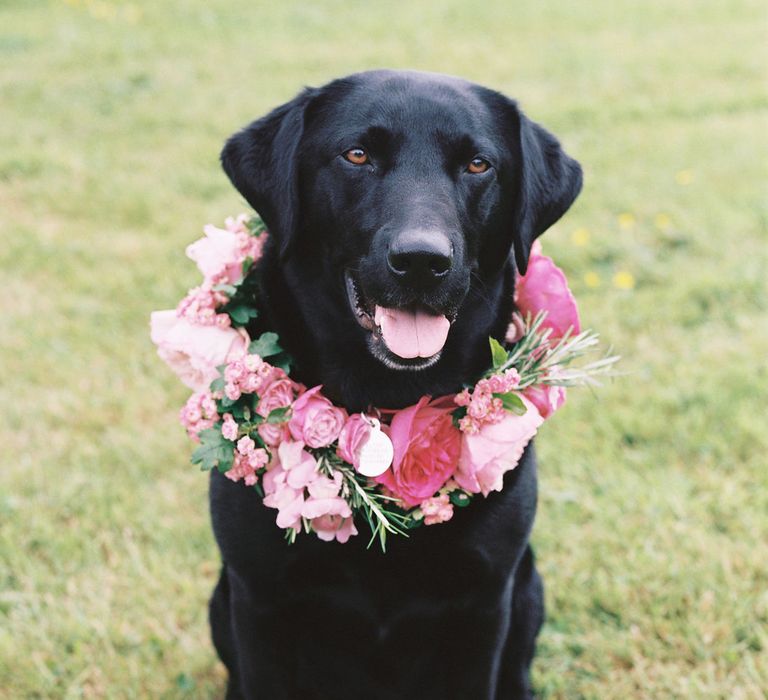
(315,420)
(544,288)
(427,447)
(495,449)
(353,436)
(279,394)
(546,398)
(274,433)
(217,255)
(193,352)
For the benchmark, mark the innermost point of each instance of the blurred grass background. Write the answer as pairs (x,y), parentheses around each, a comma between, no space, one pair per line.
(653,527)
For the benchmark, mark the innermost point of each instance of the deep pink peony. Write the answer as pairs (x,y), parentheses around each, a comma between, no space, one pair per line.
(353,436)
(427,447)
(488,454)
(315,420)
(544,288)
(193,352)
(546,398)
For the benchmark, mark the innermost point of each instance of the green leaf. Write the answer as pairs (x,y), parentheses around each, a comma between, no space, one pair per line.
(241,314)
(247,265)
(498,353)
(512,403)
(266,345)
(278,415)
(459,498)
(282,360)
(215,451)
(457,415)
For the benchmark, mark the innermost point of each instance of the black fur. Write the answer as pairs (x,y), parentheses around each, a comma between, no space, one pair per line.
(453,611)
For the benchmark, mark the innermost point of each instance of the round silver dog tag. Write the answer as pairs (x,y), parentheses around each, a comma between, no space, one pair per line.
(377,451)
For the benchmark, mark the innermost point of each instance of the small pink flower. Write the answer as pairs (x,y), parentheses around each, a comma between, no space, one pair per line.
(516,329)
(315,420)
(229,427)
(544,288)
(353,436)
(194,352)
(198,413)
(437,509)
(331,527)
(245,445)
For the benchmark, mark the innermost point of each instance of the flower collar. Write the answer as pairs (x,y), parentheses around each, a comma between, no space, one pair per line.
(327,471)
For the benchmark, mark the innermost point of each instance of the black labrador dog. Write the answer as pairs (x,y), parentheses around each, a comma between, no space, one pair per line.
(421,195)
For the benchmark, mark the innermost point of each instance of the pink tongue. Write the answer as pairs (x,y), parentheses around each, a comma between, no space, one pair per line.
(412,334)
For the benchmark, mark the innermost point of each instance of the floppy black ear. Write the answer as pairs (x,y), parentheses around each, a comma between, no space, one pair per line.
(261,162)
(548,182)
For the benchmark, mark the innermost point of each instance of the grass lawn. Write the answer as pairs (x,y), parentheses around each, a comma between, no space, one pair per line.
(652,531)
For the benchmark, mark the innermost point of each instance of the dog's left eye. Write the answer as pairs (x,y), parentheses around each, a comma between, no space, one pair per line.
(357,156)
(478,165)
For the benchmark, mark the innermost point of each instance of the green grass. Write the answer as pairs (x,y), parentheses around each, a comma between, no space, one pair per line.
(652,533)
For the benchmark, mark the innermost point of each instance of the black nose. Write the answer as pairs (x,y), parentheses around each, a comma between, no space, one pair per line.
(420,256)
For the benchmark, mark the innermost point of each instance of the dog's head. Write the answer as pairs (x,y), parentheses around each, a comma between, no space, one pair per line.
(404,191)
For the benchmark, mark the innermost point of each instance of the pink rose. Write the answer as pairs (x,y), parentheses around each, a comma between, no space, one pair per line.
(427,447)
(546,398)
(544,288)
(495,449)
(354,435)
(315,420)
(278,394)
(218,255)
(274,433)
(193,352)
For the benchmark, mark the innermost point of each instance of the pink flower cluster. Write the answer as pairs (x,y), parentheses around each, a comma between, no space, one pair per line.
(483,408)
(199,307)
(438,509)
(295,487)
(249,375)
(199,413)
(248,460)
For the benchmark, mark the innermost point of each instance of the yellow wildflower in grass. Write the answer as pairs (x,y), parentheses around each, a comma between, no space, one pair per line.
(624,279)
(684,177)
(591,279)
(580,236)
(627,220)
(662,221)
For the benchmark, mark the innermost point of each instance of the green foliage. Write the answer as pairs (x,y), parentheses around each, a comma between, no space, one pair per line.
(498,353)
(214,452)
(653,496)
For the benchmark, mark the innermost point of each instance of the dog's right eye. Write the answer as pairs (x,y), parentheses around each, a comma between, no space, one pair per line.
(357,156)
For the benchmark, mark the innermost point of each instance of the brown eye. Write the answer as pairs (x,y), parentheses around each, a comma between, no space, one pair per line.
(357,156)
(478,165)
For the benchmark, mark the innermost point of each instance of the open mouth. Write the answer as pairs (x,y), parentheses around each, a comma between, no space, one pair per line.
(402,338)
